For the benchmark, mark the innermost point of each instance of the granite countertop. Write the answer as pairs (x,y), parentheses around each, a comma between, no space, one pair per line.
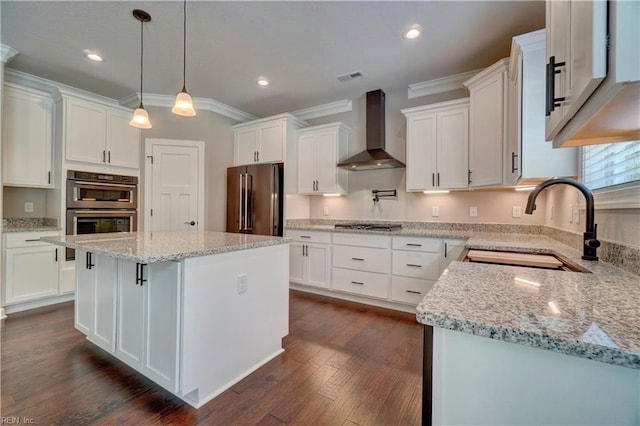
(10,229)
(151,247)
(29,224)
(592,315)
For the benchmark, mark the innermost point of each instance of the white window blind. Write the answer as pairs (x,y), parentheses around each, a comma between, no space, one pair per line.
(611,164)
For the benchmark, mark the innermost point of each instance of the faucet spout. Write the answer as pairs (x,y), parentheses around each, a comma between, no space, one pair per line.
(590,239)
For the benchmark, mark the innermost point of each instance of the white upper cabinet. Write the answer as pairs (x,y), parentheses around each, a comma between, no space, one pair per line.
(437,145)
(27,137)
(577,59)
(487,124)
(97,134)
(319,150)
(528,155)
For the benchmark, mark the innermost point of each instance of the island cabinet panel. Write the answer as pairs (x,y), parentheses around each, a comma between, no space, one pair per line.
(130,317)
(85,278)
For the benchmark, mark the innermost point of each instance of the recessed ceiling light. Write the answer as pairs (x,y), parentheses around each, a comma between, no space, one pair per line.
(413,32)
(263,82)
(93,56)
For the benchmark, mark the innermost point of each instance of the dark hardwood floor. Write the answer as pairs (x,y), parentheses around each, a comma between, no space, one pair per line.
(344,364)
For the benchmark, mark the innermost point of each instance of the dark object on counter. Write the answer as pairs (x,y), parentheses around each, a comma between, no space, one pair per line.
(591,242)
(369,226)
(255,197)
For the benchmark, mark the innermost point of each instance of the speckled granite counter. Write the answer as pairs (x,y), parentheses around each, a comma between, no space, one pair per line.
(590,315)
(151,247)
(29,224)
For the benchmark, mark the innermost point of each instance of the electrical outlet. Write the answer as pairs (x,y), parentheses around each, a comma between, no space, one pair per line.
(473,211)
(576,214)
(242,283)
(435,211)
(28,207)
(325,210)
(570,213)
(516,211)
(551,212)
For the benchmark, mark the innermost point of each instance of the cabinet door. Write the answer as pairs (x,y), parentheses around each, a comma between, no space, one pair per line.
(318,263)
(487,131)
(130,337)
(85,132)
(85,284)
(307,163)
(451,252)
(104,303)
(271,143)
(161,323)
(296,262)
(123,141)
(244,147)
(421,152)
(452,149)
(26,139)
(31,273)
(558,15)
(326,159)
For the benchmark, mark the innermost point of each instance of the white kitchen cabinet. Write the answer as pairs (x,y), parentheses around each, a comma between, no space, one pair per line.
(452,248)
(148,320)
(27,137)
(415,268)
(100,135)
(95,314)
(437,146)
(319,150)
(30,267)
(310,258)
(487,124)
(576,55)
(528,155)
(265,140)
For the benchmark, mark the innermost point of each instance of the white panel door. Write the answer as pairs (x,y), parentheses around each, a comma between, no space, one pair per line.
(296,262)
(175,188)
(421,152)
(104,311)
(453,149)
(85,284)
(271,142)
(130,337)
(31,273)
(245,146)
(123,141)
(307,164)
(318,256)
(327,144)
(86,132)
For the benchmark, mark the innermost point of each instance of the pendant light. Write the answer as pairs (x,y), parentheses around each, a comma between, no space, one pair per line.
(184,103)
(140,116)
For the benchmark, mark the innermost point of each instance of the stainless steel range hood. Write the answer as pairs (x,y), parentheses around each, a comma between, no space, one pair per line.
(375,157)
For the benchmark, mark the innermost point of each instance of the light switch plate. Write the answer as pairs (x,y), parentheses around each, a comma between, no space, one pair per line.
(435,211)
(28,207)
(325,210)
(516,211)
(242,283)
(473,211)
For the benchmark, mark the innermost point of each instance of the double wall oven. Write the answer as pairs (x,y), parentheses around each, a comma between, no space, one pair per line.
(99,202)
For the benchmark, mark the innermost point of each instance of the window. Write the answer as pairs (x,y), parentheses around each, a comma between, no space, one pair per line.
(613,172)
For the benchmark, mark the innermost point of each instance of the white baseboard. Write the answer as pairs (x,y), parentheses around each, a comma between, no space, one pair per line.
(19,307)
(3,315)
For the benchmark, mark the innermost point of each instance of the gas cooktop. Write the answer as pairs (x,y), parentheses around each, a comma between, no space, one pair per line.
(369,226)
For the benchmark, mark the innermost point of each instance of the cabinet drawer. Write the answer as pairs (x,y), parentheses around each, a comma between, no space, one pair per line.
(28,239)
(416,264)
(309,236)
(362,240)
(362,258)
(359,282)
(417,244)
(409,290)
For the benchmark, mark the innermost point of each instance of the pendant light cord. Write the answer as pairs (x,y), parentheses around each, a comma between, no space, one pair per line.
(141,56)
(184,46)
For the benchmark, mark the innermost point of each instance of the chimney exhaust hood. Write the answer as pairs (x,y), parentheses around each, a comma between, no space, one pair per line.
(375,157)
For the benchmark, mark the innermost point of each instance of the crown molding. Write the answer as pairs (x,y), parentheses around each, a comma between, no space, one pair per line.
(498,67)
(7,53)
(206,104)
(439,85)
(344,105)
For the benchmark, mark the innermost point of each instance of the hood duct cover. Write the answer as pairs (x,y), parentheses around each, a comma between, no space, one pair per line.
(375,157)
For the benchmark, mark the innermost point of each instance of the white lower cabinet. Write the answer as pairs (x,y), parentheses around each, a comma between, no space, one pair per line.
(451,251)
(416,267)
(31,267)
(310,258)
(363,283)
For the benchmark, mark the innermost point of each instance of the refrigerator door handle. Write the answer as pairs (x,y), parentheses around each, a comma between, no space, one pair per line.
(240,203)
(248,207)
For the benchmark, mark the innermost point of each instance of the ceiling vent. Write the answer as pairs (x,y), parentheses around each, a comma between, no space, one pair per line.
(348,77)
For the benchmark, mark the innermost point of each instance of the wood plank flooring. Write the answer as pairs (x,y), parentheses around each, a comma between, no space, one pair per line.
(344,364)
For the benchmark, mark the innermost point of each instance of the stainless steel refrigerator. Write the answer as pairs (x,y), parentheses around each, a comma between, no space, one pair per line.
(255,199)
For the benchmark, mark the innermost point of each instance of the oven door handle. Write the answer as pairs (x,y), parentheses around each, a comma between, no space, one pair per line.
(104,212)
(102,184)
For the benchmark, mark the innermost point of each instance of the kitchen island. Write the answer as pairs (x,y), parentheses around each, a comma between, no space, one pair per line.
(193,311)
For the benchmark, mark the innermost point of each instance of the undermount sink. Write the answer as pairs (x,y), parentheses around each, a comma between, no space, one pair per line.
(525,259)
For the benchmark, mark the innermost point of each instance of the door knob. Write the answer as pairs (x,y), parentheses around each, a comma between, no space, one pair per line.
(192,223)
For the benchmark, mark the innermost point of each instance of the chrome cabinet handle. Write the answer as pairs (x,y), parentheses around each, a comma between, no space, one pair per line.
(240,203)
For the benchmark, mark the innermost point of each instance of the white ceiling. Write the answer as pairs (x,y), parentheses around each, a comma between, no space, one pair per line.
(300,46)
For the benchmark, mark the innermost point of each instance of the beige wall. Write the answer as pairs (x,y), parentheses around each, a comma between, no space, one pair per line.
(215,130)
(14,199)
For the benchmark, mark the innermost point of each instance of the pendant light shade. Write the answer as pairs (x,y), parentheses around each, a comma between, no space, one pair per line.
(184,104)
(140,117)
